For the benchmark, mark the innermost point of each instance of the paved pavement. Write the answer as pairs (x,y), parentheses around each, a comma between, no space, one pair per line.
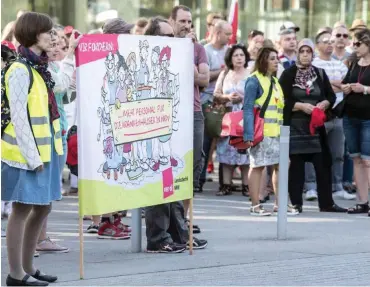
(321,249)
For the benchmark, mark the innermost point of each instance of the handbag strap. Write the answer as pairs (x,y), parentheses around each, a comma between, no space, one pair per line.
(266,103)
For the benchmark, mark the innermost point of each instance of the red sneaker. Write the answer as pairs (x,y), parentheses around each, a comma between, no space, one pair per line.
(123,227)
(108,230)
(155,166)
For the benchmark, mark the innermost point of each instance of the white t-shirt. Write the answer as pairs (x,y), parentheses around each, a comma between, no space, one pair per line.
(335,70)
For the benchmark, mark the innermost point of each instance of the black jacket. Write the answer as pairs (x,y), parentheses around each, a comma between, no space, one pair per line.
(286,82)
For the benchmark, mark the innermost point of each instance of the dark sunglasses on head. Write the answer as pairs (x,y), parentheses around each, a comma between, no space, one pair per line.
(167,35)
(255,33)
(357,44)
(345,36)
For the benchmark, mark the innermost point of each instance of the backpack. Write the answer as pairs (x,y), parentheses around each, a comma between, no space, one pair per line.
(5,108)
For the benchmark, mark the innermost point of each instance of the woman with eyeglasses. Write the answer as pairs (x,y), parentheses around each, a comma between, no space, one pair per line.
(356,120)
(308,94)
(229,91)
(30,148)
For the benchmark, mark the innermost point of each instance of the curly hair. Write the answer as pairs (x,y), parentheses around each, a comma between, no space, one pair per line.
(230,52)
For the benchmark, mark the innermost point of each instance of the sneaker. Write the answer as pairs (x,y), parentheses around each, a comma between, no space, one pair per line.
(196,228)
(166,247)
(311,195)
(48,246)
(93,228)
(108,230)
(258,210)
(197,244)
(343,194)
(291,210)
(119,224)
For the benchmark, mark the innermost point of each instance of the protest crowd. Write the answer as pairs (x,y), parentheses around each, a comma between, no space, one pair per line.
(319,87)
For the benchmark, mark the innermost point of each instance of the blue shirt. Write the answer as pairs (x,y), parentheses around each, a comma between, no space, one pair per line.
(252,91)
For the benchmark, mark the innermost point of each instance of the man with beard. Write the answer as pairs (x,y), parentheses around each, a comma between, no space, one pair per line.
(181,20)
(166,230)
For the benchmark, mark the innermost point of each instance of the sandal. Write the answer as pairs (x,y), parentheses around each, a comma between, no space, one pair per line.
(245,190)
(257,210)
(359,208)
(225,190)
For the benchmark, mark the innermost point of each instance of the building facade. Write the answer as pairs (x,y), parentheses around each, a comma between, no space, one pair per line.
(265,15)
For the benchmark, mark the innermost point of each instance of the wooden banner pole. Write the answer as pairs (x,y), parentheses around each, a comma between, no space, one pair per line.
(191,226)
(81,232)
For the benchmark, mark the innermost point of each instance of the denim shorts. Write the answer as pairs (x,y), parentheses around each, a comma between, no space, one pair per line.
(357,133)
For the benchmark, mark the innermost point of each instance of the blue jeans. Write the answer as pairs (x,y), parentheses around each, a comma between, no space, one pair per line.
(357,133)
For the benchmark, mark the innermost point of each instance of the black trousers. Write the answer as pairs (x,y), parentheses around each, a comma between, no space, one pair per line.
(323,177)
(166,223)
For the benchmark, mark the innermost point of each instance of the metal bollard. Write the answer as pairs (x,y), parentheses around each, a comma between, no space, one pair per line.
(136,230)
(283,182)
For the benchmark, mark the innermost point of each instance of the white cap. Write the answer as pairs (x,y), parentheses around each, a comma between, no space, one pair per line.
(289,26)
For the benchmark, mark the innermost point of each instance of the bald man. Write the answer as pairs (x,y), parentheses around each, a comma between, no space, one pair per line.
(216,51)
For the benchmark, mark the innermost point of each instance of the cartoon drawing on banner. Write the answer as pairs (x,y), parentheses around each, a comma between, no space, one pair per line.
(140,98)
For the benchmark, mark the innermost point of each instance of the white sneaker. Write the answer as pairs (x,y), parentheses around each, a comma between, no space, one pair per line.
(343,194)
(311,195)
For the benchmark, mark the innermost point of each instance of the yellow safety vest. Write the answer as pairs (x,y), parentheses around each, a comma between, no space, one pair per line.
(273,118)
(38,110)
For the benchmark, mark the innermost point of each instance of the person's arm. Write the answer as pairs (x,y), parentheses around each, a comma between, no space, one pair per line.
(213,75)
(251,93)
(201,73)
(329,94)
(63,78)
(19,82)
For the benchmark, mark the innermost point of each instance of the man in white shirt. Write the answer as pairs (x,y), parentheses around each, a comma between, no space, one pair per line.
(335,71)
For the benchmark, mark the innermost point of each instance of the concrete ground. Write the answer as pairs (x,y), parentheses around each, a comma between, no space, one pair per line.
(321,249)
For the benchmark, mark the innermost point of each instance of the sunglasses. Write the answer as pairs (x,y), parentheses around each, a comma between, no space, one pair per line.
(357,44)
(167,35)
(255,33)
(345,36)
(327,41)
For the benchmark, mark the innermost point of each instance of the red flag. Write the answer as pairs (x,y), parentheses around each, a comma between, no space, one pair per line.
(233,20)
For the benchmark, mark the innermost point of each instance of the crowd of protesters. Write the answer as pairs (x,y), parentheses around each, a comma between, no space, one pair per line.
(320,88)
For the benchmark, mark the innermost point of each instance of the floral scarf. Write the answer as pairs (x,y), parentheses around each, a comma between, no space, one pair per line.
(305,77)
(40,64)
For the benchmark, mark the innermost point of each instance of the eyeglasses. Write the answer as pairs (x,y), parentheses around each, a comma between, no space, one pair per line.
(357,44)
(345,36)
(167,35)
(327,41)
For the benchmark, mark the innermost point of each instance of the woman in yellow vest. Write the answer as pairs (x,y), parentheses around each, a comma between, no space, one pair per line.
(262,87)
(30,148)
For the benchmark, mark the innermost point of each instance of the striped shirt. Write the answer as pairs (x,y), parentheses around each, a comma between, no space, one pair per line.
(335,70)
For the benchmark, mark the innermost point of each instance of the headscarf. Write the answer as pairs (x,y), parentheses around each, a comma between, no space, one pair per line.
(40,64)
(117,26)
(305,74)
